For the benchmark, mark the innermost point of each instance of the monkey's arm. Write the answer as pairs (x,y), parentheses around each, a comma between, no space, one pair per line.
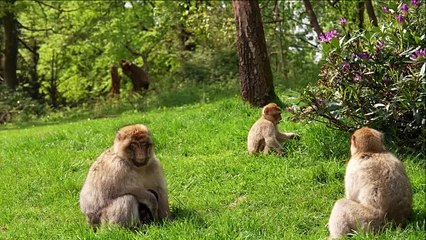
(285,136)
(271,141)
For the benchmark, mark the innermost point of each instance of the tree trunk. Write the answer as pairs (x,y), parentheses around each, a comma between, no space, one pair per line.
(361,14)
(312,17)
(115,80)
(10,47)
(370,12)
(255,70)
(53,84)
(34,81)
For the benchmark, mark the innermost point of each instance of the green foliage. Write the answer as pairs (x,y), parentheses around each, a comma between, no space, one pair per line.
(209,66)
(377,78)
(217,190)
(18,106)
(290,44)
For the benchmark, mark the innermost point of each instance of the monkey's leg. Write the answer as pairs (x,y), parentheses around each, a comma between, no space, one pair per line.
(148,198)
(123,211)
(272,143)
(348,216)
(148,205)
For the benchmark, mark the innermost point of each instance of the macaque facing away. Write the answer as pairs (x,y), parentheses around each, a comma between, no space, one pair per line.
(125,185)
(264,135)
(138,76)
(377,189)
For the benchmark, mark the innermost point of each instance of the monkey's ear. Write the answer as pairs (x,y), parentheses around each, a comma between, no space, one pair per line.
(382,136)
(353,141)
(265,111)
(119,136)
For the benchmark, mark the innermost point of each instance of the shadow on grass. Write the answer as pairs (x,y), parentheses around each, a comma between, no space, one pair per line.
(110,108)
(418,216)
(188,215)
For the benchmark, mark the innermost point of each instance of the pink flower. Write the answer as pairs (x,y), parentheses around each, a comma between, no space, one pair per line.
(400,18)
(345,66)
(364,55)
(343,21)
(328,36)
(386,9)
(404,8)
(415,3)
(419,54)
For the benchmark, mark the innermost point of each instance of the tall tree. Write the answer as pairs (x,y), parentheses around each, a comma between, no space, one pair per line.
(256,81)
(312,17)
(370,12)
(360,9)
(10,45)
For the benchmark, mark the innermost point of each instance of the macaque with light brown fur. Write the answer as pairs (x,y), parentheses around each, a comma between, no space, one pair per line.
(125,185)
(264,135)
(377,189)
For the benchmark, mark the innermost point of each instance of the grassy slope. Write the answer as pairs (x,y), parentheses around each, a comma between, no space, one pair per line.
(217,191)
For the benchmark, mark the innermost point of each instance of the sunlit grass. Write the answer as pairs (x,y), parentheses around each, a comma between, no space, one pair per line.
(216,189)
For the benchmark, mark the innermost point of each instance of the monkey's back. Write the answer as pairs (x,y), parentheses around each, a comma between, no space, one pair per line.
(99,184)
(255,137)
(379,180)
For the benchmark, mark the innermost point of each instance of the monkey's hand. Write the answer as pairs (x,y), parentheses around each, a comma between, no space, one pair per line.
(295,137)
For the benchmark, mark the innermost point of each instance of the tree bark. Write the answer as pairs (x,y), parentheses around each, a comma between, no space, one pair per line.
(255,70)
(312,17)
(361,14)
(10,47)
(34,78)
(370,12)
(115,80)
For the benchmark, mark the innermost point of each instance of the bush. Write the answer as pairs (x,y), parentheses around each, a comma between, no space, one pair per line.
(16,105)
(375,78)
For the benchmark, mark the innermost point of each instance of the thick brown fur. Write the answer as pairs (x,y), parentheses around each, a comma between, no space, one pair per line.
(264,135)
(377,189)
(126,185)
(138,75)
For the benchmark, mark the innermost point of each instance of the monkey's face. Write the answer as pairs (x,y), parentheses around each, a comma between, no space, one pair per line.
(273,116)
(139,151)
(272,113)
(134,143)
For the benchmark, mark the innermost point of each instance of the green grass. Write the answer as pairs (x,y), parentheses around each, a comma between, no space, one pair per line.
(216,189)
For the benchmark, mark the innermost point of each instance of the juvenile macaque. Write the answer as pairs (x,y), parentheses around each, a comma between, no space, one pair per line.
(264,135)
(125,185)
(377,189)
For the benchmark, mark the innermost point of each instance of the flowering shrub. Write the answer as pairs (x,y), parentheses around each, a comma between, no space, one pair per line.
(375,77)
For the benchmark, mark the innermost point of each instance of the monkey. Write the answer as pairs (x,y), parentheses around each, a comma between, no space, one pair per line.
(126,184)
(377,189)
(264,135)
(138,75)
